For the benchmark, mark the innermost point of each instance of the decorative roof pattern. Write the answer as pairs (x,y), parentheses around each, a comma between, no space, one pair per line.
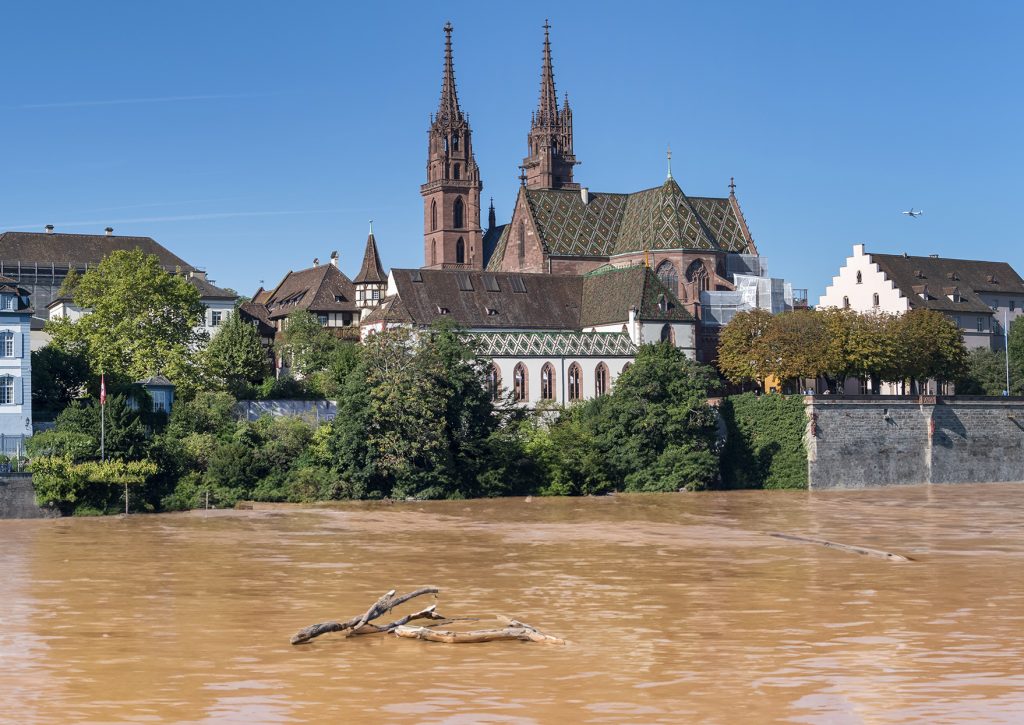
(609,293)
(611,224)
(553,344)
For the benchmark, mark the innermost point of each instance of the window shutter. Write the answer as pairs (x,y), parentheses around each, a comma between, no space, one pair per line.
(19,388)
(19,344)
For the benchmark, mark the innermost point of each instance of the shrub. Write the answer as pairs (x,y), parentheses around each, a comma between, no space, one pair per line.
(765,444)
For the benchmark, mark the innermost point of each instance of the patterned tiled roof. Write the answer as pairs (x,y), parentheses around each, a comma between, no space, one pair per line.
(610,292)
(610,224)
(553,344)
(493,237)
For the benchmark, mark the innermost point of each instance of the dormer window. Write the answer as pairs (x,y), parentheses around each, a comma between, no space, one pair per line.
(919,274)
(339,298)
(442,310)
(7,302)
(491,311)
(991,279)
(663,304)
(954,276)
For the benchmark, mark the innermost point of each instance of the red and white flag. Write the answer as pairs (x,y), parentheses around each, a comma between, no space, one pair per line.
(103,390)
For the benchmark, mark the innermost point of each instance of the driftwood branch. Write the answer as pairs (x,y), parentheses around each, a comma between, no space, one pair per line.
(382,606)
(513,629)
(428,613)
(863,550)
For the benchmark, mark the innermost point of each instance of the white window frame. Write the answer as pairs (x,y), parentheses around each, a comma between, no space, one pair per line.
(6,344)
(7,389)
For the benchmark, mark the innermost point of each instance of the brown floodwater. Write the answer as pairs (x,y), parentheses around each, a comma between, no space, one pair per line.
(675,608)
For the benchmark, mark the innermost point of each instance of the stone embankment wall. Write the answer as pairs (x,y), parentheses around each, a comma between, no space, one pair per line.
(18,500)
(859,441)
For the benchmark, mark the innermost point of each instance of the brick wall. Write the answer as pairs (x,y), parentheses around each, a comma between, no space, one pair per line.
(855,441)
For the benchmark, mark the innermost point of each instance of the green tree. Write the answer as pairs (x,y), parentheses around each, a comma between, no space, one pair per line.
(1015,343)
(142,321)
(873,350)
(305,343)
(930,345)
(58,377)
(741,355)
(125,427)
(986,374)
(656,431)
(797,345)
(235,358)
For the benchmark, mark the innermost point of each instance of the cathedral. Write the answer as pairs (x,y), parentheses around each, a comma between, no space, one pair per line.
(560,297)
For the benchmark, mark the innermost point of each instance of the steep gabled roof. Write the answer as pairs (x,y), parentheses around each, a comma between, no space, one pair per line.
(209,291)
(492,238)
(371,271)
(610,292)
(79,249)
(318,289)
(971,278)
(257,313)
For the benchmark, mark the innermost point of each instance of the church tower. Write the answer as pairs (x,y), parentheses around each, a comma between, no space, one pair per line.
(550,160)
(371,283)
(452,236)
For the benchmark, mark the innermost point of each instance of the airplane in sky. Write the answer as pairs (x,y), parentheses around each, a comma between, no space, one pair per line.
(914,214)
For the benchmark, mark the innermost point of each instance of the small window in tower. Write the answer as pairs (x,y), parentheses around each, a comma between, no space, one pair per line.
(460,252)
(433,216)
(455,147)
(458,212)
(522,241)
(457,171)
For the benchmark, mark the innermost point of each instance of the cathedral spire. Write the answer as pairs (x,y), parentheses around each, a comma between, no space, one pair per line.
(547,106)
(449,104)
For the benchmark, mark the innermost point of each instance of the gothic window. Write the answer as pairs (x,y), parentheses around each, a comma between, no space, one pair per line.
(626,367)
(697,274)
(433,216)
(457,172)
(846,303)
(455,147)
(666,272)
(522,241)
(520,390)
(457,213)
(460,251)
(575,381)
(493,381)
(860,277)
(874,299)
(433,252)
(668,334)
(601,379)
(547,382)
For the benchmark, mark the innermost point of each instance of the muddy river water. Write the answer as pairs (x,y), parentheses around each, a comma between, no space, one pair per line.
(676,608)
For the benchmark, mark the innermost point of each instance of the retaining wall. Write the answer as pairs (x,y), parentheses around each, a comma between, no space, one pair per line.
(314,411)
(859,441)
(17,498)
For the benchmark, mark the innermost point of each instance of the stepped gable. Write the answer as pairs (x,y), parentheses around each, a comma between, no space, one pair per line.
(324,288)
(478,299)
(609,293)
(940,276)
(66,250)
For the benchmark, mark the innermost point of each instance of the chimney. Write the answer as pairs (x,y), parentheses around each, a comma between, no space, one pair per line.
(316,261)
(334,258)
(585,194)
(49,229)
(109,231)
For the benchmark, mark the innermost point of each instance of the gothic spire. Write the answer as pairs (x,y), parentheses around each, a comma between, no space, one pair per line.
(448,107)
(547,107)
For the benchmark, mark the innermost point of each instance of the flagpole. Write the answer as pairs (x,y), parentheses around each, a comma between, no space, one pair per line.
(1006,346)
(103,417)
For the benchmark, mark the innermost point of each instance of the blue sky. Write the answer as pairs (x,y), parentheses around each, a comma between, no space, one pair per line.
(251,137)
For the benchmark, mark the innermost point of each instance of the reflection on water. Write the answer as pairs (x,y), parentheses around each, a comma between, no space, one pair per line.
(677,608)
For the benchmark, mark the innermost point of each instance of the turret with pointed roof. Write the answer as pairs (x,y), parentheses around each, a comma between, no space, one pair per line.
(452,236)
(371,282)
(550,158)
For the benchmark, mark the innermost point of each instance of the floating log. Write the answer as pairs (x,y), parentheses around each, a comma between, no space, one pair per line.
(863,550)
(382,606)
(513,629)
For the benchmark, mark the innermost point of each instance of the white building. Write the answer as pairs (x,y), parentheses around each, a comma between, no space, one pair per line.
(549,338)
(980,297)
(15,367)
(219,303)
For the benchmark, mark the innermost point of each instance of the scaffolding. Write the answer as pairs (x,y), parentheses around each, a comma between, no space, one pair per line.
(752,292)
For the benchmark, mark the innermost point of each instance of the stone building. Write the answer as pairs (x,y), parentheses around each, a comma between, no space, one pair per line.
(980,297)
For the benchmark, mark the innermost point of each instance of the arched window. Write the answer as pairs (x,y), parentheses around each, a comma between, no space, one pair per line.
(433,216)
(521,242)
(600,379)
(860,277)
(433,252)
(458,213)
(846,303)
(457,171)
(666,272)
(575,381)
(874,299)
(460,251)
(547,382)
(6,344)
(455,146)
(697,274)
(520,388)
(493,381)
(626,367)
(668,334)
